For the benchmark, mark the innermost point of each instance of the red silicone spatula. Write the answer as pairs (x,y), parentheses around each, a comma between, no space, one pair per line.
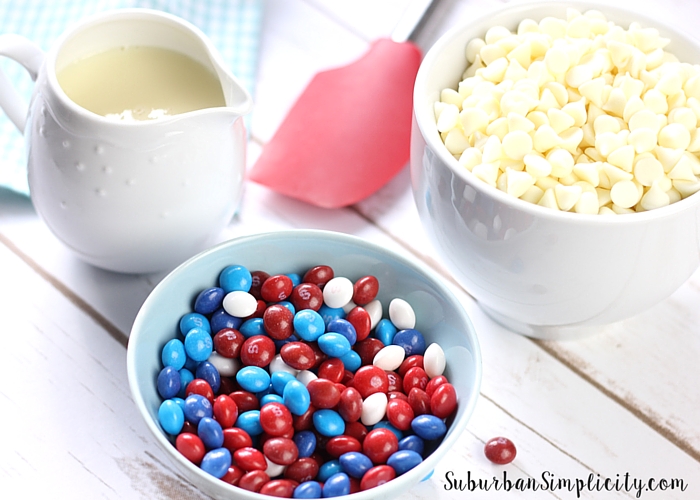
(348,133)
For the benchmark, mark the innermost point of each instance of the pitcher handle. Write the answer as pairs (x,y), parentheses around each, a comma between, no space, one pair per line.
(29,55)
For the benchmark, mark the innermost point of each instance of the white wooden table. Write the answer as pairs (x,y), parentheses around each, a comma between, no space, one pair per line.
(625,402)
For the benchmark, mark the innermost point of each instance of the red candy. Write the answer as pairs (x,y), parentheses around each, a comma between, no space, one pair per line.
(379,444)
(304,422)
(280,488)
(258,350)
(368,349)
(400,414)
(306,296)
(365,290)
(225,411)
(338,445)
(201,387)
(350,405)
(443,402)
(254,480)
(191,447)
(250,459)
(395,382)
(233,475)
(324,393)
(410,362)
(276,288)
(419,401)
(434,383)
(298,355)
(359,318)
(356,430)
(282,451)
(259,278)
(331,369)
(228,342)
(304,469)
(245,401)
(500,450)
(319,275)
(277,320)
(415,377)
(369,380)
(236,438)
(275,419)
(377,476)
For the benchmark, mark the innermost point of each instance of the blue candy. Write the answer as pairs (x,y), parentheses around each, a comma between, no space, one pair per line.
(168,382)
(337,485)
(385,331)
(198,344)
(171,417)
(331,313)
(211,433)
(271,398)
(328,469)
(355,463)
(196,408)
(186,377)
(194,320)
(221,319)
(328,423)
(288,305)
(235,278)
(296,279)
(309,325)
(173,354)
(253,378)
(280,380)
(403,461)
(191,364)
(251,327)
(345,328)
(249,421)
(209,300)
(429,427)
(207,371)
(351,360)
(216,462)
(296,397)
(308,489)
(411,340)
(306,443)
(334,344)
(413,443)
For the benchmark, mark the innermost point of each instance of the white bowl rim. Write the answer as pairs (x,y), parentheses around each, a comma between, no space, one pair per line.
(426,122)
(448,295)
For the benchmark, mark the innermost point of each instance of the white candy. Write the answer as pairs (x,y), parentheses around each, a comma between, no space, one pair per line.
(375,311)
(389,357)
(401,314)
(577,114)
(373,408)
(227,367)
(239,303)
(434,360)
(338,291)
(306,376)
(273,469)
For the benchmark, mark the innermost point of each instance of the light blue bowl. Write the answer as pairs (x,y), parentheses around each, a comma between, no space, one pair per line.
(440,317)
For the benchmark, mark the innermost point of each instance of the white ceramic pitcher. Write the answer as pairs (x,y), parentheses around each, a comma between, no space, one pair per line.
(136,196)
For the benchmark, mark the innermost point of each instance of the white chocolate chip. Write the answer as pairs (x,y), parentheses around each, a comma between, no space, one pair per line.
(625,194)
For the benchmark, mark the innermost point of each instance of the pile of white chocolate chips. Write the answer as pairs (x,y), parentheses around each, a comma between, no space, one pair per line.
(577,115)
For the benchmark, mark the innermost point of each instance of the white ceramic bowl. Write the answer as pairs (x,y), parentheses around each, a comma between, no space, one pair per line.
(440,318)
(541,272)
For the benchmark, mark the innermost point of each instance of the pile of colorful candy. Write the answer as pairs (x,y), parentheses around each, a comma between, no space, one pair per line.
(295,386)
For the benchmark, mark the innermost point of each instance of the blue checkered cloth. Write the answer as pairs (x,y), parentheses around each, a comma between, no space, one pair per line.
(232,25)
